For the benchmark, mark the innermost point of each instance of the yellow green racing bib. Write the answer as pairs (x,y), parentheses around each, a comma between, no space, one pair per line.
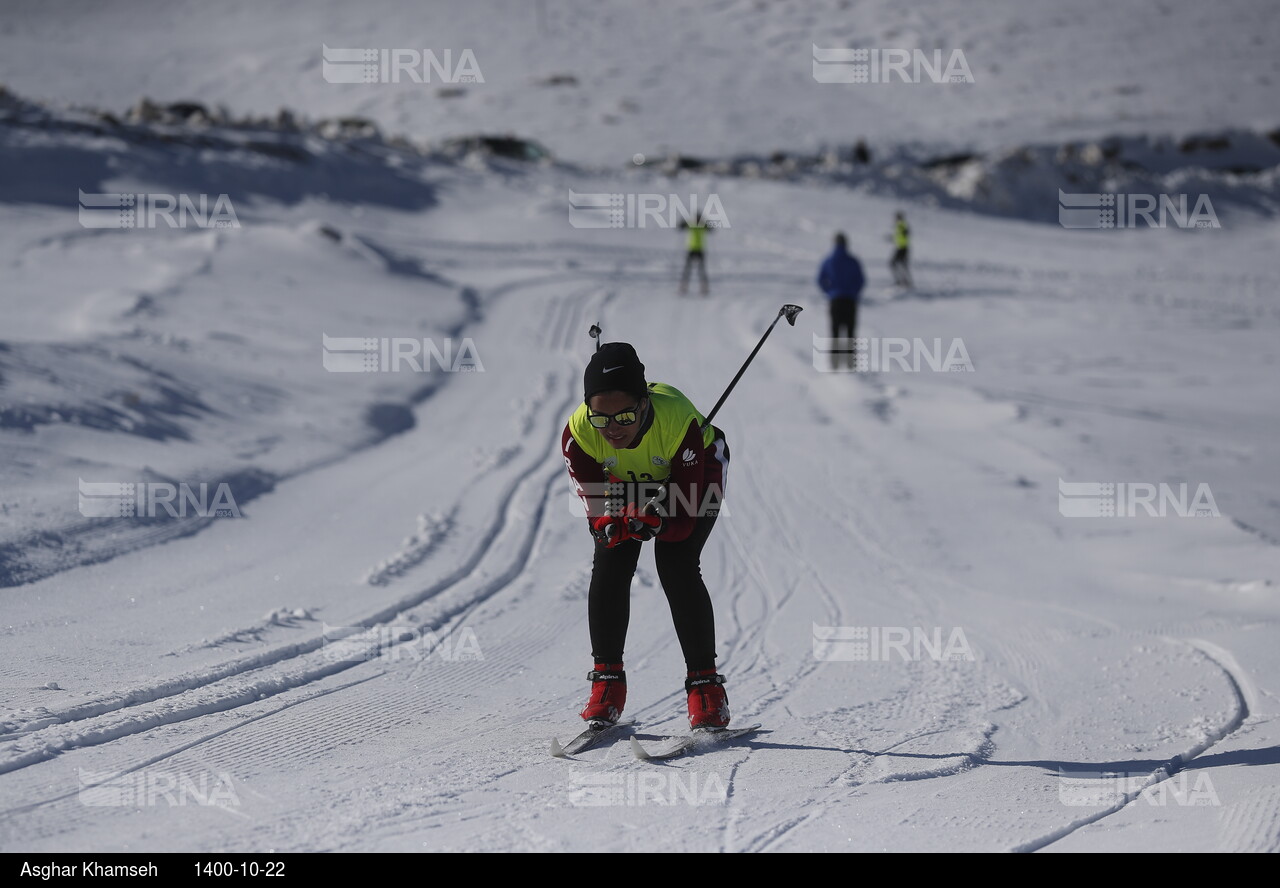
(650,459)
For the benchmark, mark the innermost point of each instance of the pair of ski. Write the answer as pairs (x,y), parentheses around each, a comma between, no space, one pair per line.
(698,739)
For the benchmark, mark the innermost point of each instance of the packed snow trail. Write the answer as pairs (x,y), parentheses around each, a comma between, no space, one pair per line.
(885,501)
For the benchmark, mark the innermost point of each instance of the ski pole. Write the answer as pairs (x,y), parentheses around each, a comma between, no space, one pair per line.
(789,312)
(594,333)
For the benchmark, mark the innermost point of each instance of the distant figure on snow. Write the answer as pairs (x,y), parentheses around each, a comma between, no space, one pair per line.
(840,277)
(901,245)
(695,255)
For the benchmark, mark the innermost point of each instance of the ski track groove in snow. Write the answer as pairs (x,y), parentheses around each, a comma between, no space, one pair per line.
(342,730)
(933,686)
(14,724)
(1252,825)
(57,732)
(930,697)
(206,738)
(1238,681)
(776,499)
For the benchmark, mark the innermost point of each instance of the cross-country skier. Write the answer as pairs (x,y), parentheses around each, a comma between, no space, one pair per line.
(695,255)
(901,250)
(633,440)
(840,277)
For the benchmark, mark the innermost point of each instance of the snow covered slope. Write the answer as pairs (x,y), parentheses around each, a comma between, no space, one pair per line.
(601,80)
(375,655)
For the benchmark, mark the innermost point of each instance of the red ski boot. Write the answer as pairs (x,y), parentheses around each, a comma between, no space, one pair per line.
(708,703)
(608,693)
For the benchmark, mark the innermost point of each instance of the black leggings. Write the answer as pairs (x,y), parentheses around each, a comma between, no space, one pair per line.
(679,571)
(694,256)
(844,317)
(844,326)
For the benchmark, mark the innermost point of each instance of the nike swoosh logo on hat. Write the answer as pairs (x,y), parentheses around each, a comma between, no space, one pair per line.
(611,369)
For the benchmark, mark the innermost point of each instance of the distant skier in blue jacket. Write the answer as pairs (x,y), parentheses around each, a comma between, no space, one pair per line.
(841,279)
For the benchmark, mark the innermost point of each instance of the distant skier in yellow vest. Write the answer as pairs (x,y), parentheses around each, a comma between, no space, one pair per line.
(902,244)
(695,254)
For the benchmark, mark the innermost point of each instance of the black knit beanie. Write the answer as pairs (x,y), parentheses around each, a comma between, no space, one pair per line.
(614,367)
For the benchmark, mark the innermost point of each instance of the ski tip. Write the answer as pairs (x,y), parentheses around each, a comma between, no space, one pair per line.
(638,751)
